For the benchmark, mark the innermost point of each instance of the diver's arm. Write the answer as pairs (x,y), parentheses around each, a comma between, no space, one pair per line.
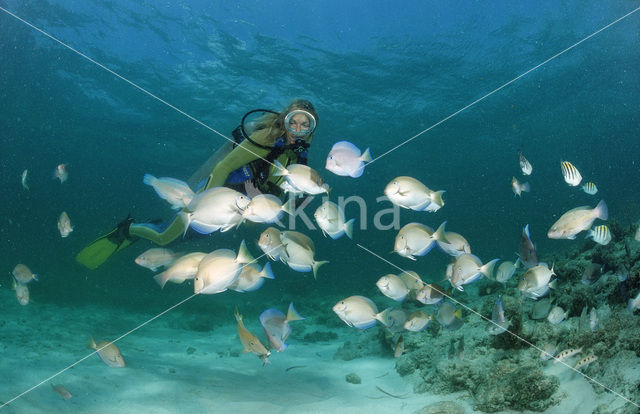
(241,155)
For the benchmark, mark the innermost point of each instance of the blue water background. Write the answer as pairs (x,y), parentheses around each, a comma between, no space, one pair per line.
(378,74)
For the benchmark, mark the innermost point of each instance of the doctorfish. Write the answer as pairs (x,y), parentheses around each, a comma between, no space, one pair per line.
(345,159)
(271,244)
(360,312)
(409,193)
(174,191)
(468,268)
(416,239)
(527,251)
(276,326)
(302,178)
(184,268)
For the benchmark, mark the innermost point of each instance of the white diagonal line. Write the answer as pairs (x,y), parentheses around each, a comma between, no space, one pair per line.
(501,87)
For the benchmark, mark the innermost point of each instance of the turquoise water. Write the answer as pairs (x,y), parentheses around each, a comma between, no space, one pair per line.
(377,73)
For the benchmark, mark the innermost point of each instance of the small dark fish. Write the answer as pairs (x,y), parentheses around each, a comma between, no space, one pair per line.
(294,367)
(528,255)
(461,348)
(592,273)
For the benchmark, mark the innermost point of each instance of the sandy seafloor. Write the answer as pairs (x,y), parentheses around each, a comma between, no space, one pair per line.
(173,370)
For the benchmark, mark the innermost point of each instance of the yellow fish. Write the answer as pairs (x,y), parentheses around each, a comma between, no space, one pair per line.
(250,342)
(108,352)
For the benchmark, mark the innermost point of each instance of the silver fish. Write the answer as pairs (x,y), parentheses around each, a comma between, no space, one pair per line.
(506,270)
(407,192)
(449,317)
(468,268)
(430,294)
(570,173)
(456,244)
(518,187)
(359,312)
(500,323)
(536,281)
(217,208)
(276,326)
(24,180)
(174,191)
(330,219)
(156,257)
(252,277)
(345,159)
(302,178)
(525,165)
(576,220)
(265,208)
(557,315)
(417,321)
(23,274)
(64,225)
(600,234)
(183,268)
(393,287)
(416,239)
(271,244)
(527,251)
(299,252)
(219,269)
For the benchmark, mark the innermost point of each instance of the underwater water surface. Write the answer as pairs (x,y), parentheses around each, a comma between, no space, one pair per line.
(431,88)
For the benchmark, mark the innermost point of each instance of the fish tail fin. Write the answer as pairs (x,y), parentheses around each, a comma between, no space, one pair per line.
(244,256)
(458,313)
(161,279)
(602,211)
(366,156)
(487,269)
(553,283)
(439,234)
(517,263)
(289,206)
(92,343)
(383,316)
(36,278)
(526,187)
(293,315)
(237,315)
(266,272)
(436,197)
(280,169)
(315,267)
(186,219)
(148,179)
(348,228)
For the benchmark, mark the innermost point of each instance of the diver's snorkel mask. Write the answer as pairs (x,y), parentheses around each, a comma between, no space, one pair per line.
(300,123)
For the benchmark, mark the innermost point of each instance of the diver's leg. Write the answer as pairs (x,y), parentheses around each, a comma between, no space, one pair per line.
(157,234)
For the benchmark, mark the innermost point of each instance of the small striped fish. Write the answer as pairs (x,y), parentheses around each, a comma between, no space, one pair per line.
(571,174)
(600,234)
(585,361)
(525,165)
(590,188)
(567,353)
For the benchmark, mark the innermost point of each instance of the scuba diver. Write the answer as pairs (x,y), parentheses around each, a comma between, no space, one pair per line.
(246,165)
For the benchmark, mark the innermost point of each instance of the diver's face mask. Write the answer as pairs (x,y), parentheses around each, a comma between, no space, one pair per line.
(299,124)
